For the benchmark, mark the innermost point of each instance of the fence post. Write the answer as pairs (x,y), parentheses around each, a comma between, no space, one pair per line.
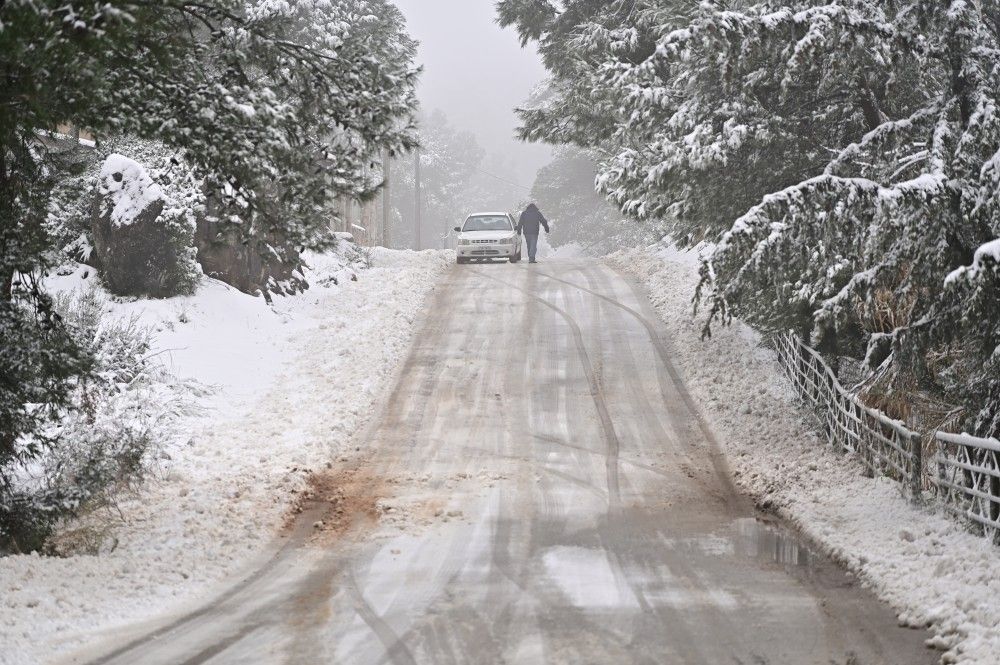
(916,466)
(838,440)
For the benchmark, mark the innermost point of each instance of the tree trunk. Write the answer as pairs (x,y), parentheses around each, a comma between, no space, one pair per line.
(6,270)
(869,105)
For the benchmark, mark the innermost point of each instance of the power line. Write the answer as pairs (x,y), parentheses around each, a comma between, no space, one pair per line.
(495,176)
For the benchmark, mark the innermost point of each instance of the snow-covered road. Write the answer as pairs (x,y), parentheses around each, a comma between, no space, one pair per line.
(538,487)
(290,384)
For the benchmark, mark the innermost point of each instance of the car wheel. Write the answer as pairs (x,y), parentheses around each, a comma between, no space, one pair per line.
(515,258)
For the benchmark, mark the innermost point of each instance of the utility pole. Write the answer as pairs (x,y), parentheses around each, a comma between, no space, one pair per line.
(386,217)
(345,213)
(416,196)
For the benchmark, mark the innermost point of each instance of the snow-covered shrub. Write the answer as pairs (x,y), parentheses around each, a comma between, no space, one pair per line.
(143,237)
(340,264)
(71,200)
(108,442)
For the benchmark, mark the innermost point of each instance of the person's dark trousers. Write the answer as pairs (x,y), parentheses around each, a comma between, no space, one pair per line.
(532,240)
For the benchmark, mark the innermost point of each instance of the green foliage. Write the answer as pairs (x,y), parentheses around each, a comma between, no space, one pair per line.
(842,155)
(276,107)
(564,190)
(38,366)
(113,425)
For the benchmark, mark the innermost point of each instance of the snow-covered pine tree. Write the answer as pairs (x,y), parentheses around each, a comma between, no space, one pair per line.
(448,159)
(858,256)
(576,39)
(852,142)
(699,132)
(966,327)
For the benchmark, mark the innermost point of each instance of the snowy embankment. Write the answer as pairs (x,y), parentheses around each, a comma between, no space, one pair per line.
(290,384)
(919,560)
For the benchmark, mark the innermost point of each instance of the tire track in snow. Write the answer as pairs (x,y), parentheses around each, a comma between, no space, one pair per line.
(734,501)
(611,441)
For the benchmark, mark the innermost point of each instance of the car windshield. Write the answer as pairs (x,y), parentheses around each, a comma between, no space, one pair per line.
(487,223)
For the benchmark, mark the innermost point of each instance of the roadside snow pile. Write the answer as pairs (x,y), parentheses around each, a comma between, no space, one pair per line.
(570,250)
(290,385)
(920,561)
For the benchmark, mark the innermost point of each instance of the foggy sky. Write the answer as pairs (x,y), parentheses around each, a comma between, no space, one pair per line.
(476,73)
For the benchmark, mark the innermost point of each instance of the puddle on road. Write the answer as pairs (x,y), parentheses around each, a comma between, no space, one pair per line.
(764,540)
(770,542)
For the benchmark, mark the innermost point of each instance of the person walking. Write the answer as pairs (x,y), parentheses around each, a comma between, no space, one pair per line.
(528,224)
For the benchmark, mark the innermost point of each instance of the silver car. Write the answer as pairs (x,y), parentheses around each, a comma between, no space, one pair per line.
(486,236)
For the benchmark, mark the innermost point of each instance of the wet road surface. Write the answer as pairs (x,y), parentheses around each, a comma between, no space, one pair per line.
(546,493)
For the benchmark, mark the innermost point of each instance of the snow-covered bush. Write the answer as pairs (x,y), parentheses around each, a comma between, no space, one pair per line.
(70,205)
(120,418)
(342,263)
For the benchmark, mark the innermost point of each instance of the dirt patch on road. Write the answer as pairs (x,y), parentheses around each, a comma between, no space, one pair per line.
(335,500)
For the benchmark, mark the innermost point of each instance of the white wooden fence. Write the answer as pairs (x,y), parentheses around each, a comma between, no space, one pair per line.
(968,479)
(961,470)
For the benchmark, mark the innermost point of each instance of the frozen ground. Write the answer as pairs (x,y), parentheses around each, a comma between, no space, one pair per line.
(290,384)
(920,561)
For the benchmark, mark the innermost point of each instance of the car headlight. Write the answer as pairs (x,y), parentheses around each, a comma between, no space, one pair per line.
(464,242)
(507,241)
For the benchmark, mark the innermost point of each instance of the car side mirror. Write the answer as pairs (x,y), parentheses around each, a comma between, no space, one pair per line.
(458,229)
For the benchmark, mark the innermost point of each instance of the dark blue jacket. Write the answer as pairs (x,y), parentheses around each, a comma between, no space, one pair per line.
(530,219)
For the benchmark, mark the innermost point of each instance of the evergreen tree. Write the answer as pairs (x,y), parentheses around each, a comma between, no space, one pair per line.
(278,107)
(857,256)
(564,190)
(449,160)
(842,154)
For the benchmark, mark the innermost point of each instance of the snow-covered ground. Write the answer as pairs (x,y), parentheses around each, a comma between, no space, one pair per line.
(927,567)
(290,384)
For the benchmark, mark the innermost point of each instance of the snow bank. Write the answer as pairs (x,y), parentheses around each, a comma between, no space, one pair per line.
(291,383)
(570,250)
(920,561)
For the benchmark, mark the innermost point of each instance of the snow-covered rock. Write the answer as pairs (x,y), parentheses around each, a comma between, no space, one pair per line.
(126,190)
(143,245)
